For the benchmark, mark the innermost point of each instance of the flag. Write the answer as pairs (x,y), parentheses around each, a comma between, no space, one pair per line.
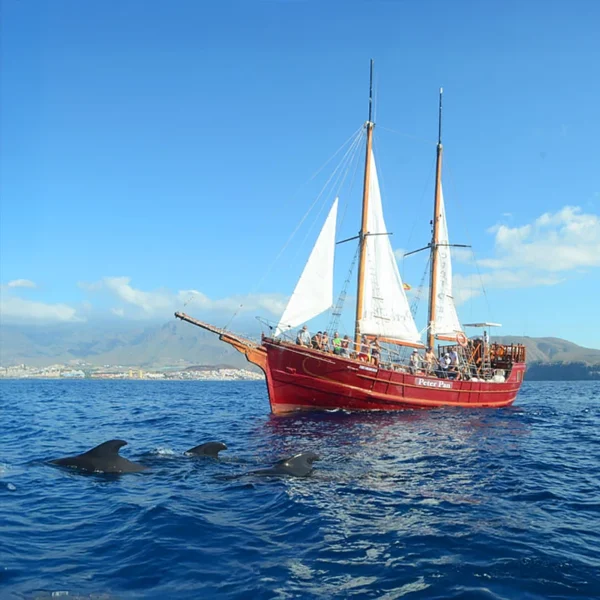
(406,287)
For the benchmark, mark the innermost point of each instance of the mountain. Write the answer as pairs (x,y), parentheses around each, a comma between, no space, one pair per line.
(179,344)
(554,359)
(552,350)
(174,344)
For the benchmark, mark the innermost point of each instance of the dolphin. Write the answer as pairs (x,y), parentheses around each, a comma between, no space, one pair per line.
(101,459)
(299,465)
(210,449)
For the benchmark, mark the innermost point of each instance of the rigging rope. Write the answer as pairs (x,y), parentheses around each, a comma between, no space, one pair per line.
(457,201)
(352,180)
(340,175)
(353,141)
(337,311)
(416,303)
(416,217)
(408,135)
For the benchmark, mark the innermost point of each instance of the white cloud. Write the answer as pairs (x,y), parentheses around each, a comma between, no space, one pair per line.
(537,254)
(272,303)
(462,255)
(561,241)
(13,309)
(138,303)
(23,283)
(465,287)
(148,302)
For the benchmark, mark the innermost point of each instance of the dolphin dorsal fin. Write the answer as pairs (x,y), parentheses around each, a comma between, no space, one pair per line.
(288,460)
(109,448)
(210,449)
(297,458)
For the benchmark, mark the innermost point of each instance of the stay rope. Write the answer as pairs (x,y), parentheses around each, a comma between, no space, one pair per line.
(353,142)
(340,174)
(468,236)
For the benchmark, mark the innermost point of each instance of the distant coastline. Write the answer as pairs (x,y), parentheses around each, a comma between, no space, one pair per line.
(118,373)
(207,379)
(567,371)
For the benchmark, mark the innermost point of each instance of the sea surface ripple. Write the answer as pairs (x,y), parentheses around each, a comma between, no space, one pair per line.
(486,504)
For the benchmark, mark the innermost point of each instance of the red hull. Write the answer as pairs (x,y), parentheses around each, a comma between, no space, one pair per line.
(300,378)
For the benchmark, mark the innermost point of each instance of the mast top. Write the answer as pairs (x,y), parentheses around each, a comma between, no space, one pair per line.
(440,119)
(370,121)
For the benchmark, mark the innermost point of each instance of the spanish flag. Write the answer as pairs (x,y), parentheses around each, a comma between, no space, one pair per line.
(406,287)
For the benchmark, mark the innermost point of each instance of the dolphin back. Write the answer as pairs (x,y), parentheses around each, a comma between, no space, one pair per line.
(299,465)
(211,449)
(106,450)
(104,458)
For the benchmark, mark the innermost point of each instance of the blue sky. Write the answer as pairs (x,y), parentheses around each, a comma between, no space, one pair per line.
(153,148)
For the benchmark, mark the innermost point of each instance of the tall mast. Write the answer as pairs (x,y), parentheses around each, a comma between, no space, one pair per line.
(365,206)
(435,235)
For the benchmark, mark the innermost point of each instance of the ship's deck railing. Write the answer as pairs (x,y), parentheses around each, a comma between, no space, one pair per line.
(484,360)
(397,358)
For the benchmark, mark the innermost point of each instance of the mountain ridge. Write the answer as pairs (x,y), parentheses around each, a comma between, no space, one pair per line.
(552,349)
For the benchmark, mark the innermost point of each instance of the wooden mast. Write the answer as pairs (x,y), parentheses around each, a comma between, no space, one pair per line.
(365,206)
(435,235)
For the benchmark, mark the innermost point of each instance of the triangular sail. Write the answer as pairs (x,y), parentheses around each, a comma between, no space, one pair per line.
(446,322)
(386,311)
(314,291)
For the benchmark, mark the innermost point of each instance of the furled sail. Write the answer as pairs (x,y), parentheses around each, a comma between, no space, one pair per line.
(314,291)
(446,322)
(386,311)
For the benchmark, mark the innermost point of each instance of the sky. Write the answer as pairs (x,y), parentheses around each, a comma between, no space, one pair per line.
(154,152)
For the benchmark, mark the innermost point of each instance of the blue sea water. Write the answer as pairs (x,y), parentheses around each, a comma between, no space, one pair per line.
(436,504)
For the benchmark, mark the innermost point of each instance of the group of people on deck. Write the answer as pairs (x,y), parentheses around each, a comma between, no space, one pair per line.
(446,367)
(341,346)
(320,341)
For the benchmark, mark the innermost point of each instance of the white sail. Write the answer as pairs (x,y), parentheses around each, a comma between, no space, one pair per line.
(446,320)
(386,311)
(314,291)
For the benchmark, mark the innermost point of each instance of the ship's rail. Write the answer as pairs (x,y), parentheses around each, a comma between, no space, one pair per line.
(471,361)
(485,360)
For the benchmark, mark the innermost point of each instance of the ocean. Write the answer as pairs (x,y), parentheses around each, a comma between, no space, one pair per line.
(488,504)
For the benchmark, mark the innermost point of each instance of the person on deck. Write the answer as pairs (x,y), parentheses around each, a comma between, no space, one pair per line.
(325,342)
(345,351)
(453,366)
(364,349)
(337,343)
(430,361)
(303,338)
(375,351)
(415,362)
(444,366)
(454,358)
(316,341)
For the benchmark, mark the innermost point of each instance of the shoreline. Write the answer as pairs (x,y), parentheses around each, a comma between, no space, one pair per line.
(150,379)
(121,373)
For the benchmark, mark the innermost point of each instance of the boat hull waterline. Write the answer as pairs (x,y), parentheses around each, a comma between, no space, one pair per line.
(300,378)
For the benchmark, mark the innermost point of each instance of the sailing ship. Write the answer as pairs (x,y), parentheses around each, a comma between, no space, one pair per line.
(303,376)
